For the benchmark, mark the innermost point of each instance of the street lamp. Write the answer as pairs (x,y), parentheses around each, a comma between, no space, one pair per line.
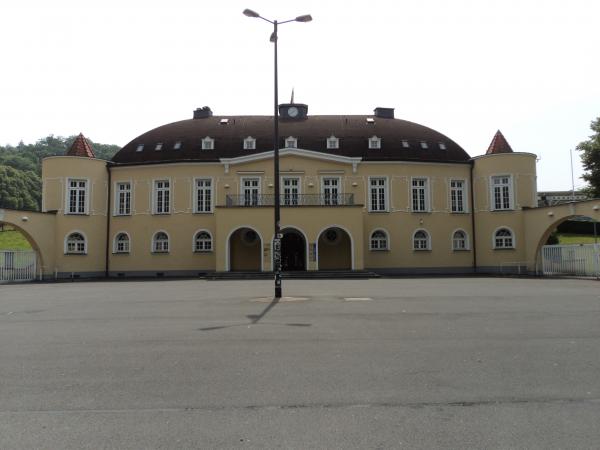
(278,236)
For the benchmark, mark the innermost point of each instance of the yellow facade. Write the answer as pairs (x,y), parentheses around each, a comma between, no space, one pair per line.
(324,236)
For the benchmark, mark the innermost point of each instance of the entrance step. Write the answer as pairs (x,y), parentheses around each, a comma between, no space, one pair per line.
(301,275)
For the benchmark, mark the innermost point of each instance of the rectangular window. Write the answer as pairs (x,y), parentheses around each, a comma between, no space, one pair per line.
(291,191)
(77,197)
(162,197)
(251,191)
(123,203)
(377,191)
(203,196)
(333,143)
(331,191)
(457,196)
(501,192)
(419,194)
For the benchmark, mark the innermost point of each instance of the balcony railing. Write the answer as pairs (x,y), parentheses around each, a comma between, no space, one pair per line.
(290,200)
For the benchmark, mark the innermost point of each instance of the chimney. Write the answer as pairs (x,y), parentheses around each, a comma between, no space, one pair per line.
(384,113)
(202,113)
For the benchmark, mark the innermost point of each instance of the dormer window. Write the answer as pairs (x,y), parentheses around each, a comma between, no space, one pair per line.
(333,142)
(224,121)
(370,120)
(442,146)
(249,143)
(177,145)
(374,142)
(405,144)
(291,142)
(139,148)
(159,146)
(424,145)
(208,143)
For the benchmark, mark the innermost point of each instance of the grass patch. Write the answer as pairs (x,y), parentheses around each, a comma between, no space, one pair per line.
(13,240)
(570,239)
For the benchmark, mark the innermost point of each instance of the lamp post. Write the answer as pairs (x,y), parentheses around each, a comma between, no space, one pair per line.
(277,212)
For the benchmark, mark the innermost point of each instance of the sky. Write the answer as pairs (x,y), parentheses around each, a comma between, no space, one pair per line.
(466,68)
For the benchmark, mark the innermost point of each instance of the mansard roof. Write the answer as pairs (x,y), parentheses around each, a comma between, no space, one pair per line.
(81,147)
(182,141)
(499,144)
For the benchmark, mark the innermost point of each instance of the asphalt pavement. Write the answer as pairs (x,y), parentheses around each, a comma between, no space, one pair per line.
(422,363)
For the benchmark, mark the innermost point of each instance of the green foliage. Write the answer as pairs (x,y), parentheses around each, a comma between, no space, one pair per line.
(19,189)
(590,158)
(553,239)
(570,239)
(13,240)
(21,168)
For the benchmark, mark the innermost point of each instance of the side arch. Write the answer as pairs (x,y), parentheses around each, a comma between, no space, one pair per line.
(318,241)
(228,246)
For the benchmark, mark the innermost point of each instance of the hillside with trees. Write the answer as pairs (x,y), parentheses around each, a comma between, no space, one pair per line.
(21,169)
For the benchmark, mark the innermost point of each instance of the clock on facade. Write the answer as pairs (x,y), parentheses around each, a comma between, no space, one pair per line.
(292,111)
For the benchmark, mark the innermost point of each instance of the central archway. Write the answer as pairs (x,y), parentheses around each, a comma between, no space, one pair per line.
(245,251)
(293,251)
(334,249)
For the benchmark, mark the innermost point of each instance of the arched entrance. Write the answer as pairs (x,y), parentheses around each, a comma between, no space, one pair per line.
(20,259)
(245,251)
(334,249)
(293,251)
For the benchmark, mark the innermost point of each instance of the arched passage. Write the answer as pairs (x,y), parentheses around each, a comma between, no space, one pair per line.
(245,250)
(20,255)
(293,250)
(334,249)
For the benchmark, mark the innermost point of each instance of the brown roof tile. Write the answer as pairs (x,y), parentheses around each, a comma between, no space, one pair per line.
(81,147)
(499,144)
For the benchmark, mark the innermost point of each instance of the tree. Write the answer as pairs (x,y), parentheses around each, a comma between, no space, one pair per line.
(19,189)
(590,158)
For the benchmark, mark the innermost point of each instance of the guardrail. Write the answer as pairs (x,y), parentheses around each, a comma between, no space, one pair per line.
(289,200)
(17,265)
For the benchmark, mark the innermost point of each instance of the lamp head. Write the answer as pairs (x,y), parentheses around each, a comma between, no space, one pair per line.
(304,18)
(250,13)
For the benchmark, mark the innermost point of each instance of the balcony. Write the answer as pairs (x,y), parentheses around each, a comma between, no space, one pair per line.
(289,200)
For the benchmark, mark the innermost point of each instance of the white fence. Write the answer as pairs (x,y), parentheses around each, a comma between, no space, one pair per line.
(17,265)
(577,260)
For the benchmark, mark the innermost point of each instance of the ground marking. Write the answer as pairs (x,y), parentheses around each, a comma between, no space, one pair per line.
(358,299)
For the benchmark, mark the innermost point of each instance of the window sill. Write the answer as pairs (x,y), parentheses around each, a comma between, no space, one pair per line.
(461,249)
(203,212)
(203,251)
(160,253)
(379,249)
(122,215)
(378,211)
(75,254)
(421,212)
(459,212)
(161,214)
(76,214)
(421,249)
(504,248)
(121,253)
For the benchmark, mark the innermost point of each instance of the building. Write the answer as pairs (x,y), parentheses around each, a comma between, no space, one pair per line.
(358,192)
(550,198)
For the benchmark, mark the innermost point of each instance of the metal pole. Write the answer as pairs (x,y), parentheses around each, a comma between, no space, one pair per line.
(572,177)
(277,239)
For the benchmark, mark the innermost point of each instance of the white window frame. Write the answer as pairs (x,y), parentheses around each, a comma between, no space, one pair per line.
(76,252)
(243,194)
(339,194)
(427,206)
(155,196)
(86,199)
(153,243)
(510,186)
(208,143)
(195,195)
(293,140)
(453,241)
(333,143)
(195,238)
(178,145)
(442,146)
(464,191)
(374,142)
(387,240)
(503,247)
(424,145)
(427,243)
(385,194)
(117,199)
(116,243)
(249,143)
(297,194)
(158,147)
(405,143)
(139,148)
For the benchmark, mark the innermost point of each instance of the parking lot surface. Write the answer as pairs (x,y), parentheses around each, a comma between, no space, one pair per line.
(355,364)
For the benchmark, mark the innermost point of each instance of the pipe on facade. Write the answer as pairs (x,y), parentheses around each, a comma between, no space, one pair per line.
(108,206)
(474,246)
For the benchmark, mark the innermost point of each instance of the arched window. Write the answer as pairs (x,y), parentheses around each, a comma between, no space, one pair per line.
(503,238)
(121,243)
(379,240)
(459,240)
(421,240)
(160,242)
(75,244)
(203,242)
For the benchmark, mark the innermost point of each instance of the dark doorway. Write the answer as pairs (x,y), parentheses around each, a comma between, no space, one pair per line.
(293,251)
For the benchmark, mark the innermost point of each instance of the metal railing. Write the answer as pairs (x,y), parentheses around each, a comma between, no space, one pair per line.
(575,260)
(17,265)
(289,200)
